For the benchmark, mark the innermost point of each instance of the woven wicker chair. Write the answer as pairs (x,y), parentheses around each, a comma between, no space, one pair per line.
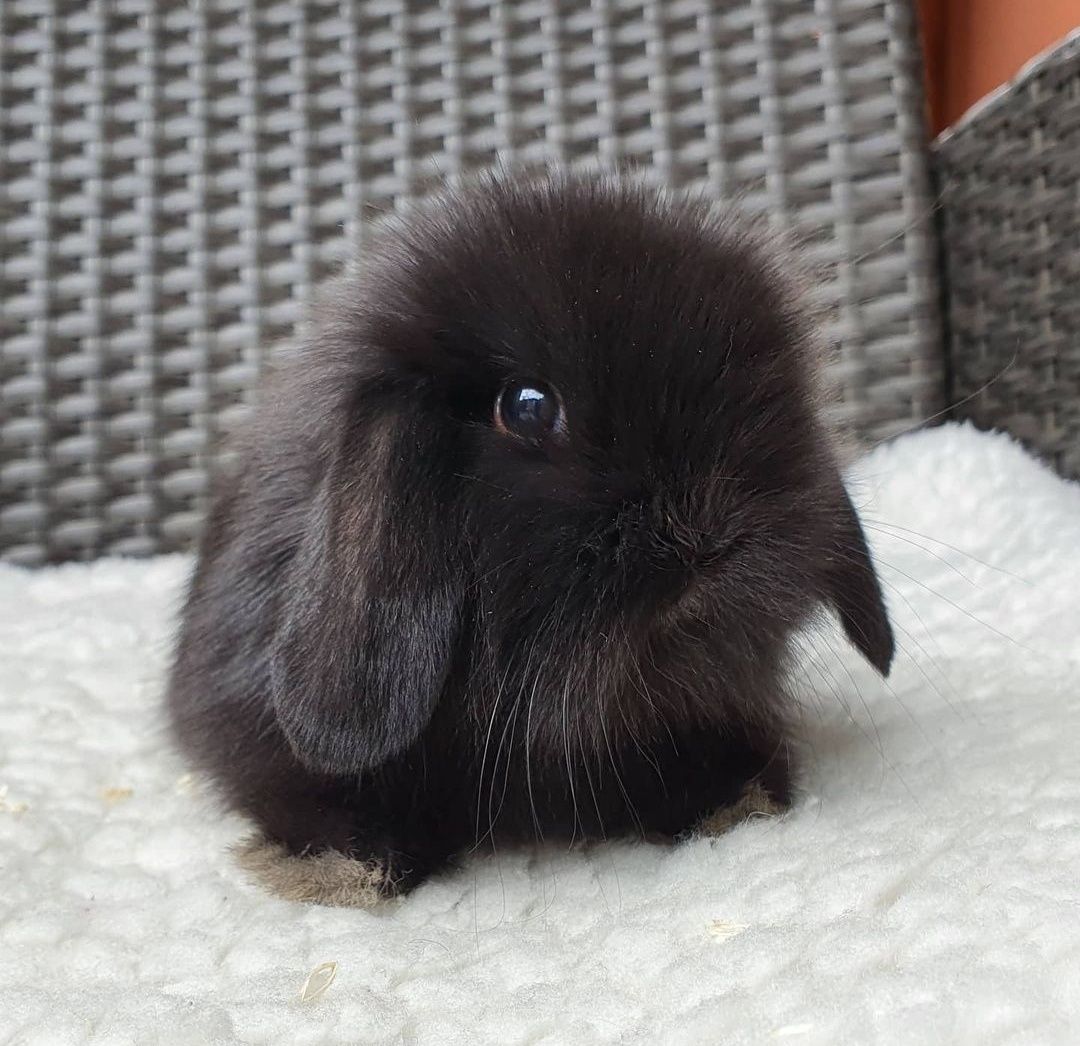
(175,175)
(1010,189)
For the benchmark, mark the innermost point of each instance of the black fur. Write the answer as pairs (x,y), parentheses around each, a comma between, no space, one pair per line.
(409,633)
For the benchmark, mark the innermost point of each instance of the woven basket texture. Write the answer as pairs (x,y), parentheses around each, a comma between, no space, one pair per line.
(175,176)
(1010,179)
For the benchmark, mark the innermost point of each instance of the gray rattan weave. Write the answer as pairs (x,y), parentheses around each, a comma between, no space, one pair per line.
(1010,177)
(175,175)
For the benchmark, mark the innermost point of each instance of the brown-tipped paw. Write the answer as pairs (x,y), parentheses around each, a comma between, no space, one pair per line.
(329,877)
(754,802)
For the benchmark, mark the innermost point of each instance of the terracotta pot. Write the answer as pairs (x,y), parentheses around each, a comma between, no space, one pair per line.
(973,46)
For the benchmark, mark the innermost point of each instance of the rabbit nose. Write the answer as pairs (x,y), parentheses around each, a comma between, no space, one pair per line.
(670,540)
(649,530)
(682,545)
(690,546)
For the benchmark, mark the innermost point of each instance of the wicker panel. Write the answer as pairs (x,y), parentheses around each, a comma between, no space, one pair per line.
(177,174)
(1010,175)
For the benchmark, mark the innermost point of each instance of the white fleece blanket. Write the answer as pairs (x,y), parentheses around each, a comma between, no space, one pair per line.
(925,888)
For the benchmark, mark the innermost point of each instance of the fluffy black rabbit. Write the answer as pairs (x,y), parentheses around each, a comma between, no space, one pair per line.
(520,535)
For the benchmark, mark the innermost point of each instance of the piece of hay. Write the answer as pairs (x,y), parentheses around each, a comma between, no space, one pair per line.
(754,802)
(318,981)
(112,796)
(789,1030)
(329,877)
(724,931)
(9,806)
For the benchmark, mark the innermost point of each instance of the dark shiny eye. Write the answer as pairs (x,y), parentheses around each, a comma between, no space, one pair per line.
(529,409)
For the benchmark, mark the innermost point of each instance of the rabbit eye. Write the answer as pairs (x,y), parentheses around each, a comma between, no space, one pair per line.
(529,409)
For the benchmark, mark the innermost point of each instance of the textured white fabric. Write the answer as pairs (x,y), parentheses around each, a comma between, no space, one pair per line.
(924,889)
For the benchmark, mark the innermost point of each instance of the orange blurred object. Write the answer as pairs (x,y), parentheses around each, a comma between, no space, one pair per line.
(974,46)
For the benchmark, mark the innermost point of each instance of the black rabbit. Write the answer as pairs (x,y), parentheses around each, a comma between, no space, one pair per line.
(520,535)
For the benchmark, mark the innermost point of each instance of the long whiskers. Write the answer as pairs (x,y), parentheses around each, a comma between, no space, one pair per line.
(945,411)
(880,523)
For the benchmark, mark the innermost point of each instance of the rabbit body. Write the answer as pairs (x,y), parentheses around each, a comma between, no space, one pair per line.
(520,534)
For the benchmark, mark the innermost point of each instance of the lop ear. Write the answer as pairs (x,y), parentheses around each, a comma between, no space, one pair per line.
(372,606)
(854,589)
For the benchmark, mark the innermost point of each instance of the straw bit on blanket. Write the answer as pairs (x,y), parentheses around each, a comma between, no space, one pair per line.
(318,981)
